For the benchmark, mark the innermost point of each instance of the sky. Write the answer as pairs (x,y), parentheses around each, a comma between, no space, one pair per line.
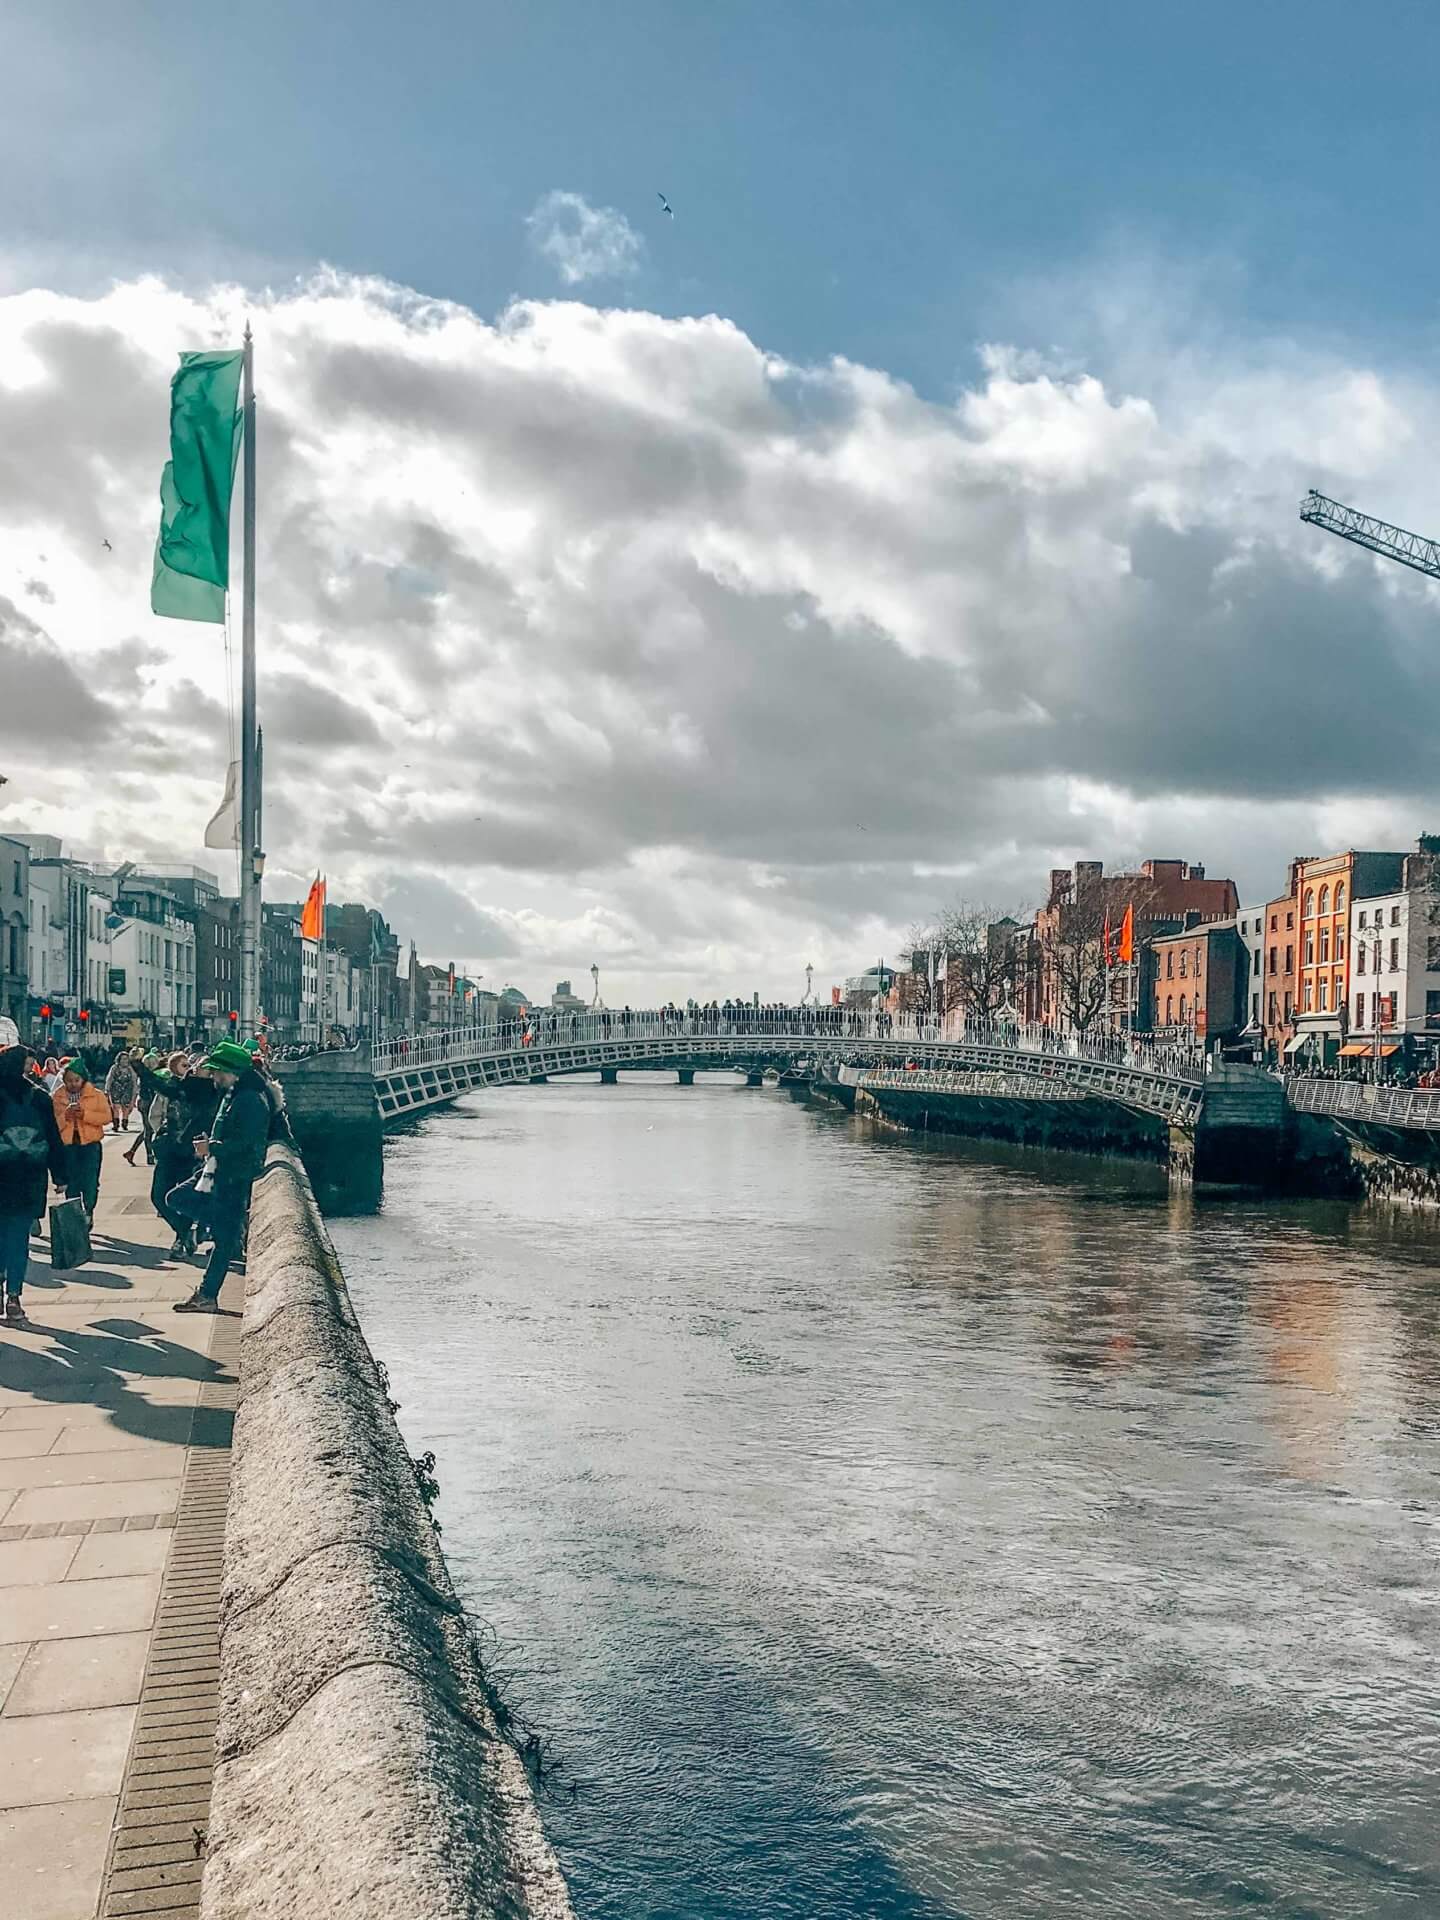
(702,595)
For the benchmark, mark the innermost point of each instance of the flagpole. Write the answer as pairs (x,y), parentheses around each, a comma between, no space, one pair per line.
(250,855)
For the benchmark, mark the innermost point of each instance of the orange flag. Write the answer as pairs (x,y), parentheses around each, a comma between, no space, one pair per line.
(312,919)
(1127,937)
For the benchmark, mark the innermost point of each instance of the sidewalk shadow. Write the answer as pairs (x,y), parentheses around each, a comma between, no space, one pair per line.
(85,1368)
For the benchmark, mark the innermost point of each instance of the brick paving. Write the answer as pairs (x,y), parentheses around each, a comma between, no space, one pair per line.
(115,1418)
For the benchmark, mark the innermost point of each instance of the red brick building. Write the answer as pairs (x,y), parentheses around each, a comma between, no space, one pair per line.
(1200,976)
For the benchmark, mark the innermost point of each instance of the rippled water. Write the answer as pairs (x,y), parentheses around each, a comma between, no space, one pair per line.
(898,1529)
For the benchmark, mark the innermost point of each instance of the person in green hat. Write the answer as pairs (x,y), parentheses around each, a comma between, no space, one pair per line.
(235,1154)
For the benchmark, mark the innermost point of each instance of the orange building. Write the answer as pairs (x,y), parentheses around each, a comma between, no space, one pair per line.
(1324,890)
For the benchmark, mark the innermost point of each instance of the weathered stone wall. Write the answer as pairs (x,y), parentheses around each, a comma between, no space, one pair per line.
(360,1770)
(335,1117)
(1072,1126)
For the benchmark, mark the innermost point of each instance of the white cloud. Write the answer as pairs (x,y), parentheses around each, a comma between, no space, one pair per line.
(583,242)
(603,636)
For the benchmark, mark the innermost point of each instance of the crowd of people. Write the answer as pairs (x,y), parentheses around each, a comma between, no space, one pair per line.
(206,1117)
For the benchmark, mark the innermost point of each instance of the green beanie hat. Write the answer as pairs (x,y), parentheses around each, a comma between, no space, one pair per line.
(77,1065)
(228,1057)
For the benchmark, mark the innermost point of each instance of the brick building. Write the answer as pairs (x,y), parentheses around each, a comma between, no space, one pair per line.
(1326,890)
(1281,922)
(1201,980)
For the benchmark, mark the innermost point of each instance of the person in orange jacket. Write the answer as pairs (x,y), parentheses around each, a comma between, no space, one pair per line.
(82,1114)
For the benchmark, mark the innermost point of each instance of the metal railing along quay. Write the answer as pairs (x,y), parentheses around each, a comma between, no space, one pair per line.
(1410,1107)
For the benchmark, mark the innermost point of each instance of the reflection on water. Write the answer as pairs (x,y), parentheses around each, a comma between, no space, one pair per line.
(893,1528)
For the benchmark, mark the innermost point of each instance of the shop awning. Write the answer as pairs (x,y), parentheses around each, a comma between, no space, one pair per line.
(1390,1046)
(1353,1049)
(1300,1041)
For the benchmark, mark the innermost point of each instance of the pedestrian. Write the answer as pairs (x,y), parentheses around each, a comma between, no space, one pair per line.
(235,1155)
(29,1149)
(181,1107)
(81,1113)
(147,1098)
(122,1089)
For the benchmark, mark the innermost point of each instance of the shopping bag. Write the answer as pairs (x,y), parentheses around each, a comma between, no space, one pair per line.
(69,1234)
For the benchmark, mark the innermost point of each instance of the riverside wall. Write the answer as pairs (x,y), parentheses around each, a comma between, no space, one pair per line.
(360,1769)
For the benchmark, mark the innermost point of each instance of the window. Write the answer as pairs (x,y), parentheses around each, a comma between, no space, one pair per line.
(1324,996)
(1359,1009)
(1289,921)
(1394,956)
(1169,1009)
(1324,946)
(1339,896)
(1362,916)
(1199,958)
(1432,1004)
(1184,956)
(1432,953)
(1274,922)
(1309,949)
(1360,958)
(1308,997)
(1272,959)
(1395,915)
(1169,963)
(1184,1009)
(1339,943)
(1307,905)
(1325,899)
(1255,963)
(1289,1006)
(1289,959)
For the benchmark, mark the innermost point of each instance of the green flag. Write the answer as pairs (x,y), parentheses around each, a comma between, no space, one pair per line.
(192,555)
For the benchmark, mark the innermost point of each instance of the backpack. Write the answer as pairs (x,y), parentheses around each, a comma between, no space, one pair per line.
(22,1135)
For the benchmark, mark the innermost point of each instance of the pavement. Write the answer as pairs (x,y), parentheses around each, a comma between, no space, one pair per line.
(114,1427)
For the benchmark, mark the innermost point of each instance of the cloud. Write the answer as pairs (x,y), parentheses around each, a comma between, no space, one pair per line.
(602,636)
(583,242)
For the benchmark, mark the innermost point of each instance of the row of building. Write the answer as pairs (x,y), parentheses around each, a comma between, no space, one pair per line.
(153,955)
(1345,963)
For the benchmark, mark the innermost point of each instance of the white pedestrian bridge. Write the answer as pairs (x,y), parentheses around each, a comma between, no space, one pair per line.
(416,1071)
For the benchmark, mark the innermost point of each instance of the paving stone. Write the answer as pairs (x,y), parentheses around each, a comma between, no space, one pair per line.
(105,1555)
(25,1563)
(12,1658)
(52,1858)
(46,1757)
(90,1469)
(61,1610)
(64,1676)
(96,1503)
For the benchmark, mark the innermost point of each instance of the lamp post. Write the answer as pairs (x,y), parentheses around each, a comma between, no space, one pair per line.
(597,1005)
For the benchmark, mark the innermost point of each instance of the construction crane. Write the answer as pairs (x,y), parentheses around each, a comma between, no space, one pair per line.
(1410,549)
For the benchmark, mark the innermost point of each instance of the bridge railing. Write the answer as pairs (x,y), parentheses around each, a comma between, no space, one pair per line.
(823,1026)
(1362,1100)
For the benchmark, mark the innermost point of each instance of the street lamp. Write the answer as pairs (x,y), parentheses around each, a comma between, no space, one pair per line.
(597,1005)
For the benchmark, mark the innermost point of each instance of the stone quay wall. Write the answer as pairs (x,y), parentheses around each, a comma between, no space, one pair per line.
(359,1766)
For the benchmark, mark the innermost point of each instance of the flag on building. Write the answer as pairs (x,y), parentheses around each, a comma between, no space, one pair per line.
(224,827)
(312,917)
(192,555)
(1127,937)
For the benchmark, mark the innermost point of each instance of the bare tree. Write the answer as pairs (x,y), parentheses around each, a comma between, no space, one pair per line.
(1075,956)
(980,949)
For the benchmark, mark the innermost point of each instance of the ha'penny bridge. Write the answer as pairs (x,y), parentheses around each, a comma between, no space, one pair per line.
(1124,1094)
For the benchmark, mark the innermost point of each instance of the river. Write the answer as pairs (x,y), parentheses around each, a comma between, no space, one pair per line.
(884,1527)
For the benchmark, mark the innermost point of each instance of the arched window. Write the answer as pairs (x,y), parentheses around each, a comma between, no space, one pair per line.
(1325,899)
(1309,907)
(1184,1009)
(1169,1009)
(1339,896)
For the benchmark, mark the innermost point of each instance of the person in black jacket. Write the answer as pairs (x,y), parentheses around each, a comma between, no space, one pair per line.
(236,1154)
(191,1098)
(29,1149)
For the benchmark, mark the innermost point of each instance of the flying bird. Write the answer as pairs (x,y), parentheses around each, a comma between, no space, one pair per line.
(665,205)
(107,546)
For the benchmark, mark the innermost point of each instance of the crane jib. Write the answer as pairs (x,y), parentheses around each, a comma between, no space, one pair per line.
(1378,536)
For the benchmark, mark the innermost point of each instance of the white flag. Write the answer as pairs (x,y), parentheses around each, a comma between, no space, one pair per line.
(224,829)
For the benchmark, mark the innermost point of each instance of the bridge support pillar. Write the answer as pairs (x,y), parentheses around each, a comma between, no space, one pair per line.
(609,1076)
(1239,1136)
(686,1076)
(335,1118)
(754,1079)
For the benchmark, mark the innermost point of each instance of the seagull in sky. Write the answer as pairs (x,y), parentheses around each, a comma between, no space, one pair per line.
(665,205)
(107,546)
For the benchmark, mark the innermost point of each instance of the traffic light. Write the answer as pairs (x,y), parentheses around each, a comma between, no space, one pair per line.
(234,1019)
(84,1015)
(45,1010)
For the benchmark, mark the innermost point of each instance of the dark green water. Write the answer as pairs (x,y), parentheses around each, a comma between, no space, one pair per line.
(902,1530)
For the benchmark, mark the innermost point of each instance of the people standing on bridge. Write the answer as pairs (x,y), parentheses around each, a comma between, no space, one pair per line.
(81,1114)
(235,1155)
(122,1089)
(30,1149)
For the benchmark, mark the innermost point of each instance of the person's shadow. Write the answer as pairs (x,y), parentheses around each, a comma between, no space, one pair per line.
(89,1366)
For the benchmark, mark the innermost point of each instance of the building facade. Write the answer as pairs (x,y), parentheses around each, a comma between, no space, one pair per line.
(1201,980)
(1282,918)
(15,932)
(1395,967)
(280,972)
(1327,890)
(1250,925)
(152,962)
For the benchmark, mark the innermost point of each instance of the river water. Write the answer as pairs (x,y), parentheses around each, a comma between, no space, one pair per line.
(891,1528)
